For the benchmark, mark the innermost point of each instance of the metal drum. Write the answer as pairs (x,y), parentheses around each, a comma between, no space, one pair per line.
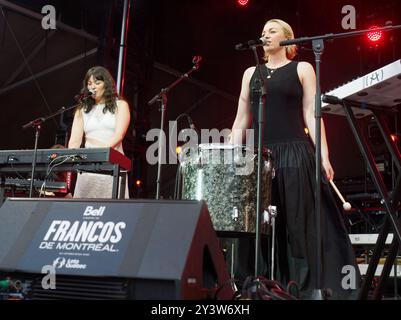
(225,176)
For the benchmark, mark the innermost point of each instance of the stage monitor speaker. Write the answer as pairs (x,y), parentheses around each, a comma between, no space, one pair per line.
(107,249)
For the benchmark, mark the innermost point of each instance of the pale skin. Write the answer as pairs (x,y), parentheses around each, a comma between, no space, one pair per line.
(122,120)
(274,33)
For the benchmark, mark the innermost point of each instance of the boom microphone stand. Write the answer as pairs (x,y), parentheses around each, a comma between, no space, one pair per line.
(37,124)
(161,97)
(318,48)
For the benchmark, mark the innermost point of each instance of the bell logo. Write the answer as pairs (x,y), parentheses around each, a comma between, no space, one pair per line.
(91,211)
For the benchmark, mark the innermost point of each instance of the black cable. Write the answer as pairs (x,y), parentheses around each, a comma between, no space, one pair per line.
(237,293)
(177,184)
(262,288)
(50,168)
(190,123)
(15,171)
(293,284)
(19,176)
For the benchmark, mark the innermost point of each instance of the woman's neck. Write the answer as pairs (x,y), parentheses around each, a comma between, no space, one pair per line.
(277,59)
(99,101)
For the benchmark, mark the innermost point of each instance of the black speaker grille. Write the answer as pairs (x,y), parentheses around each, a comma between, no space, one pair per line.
(90,288)
(81,288)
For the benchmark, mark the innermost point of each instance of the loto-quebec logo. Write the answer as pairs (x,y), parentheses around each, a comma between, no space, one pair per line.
(61,262)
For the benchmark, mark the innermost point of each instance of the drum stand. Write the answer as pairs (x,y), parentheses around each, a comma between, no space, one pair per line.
(270,218)
(234,251)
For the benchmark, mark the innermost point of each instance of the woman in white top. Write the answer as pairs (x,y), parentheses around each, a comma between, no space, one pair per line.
(101,121)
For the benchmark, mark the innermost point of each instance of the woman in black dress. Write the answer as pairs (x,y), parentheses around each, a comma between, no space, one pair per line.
(289,110)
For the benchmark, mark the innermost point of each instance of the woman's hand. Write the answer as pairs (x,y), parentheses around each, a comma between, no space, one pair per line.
(328,169)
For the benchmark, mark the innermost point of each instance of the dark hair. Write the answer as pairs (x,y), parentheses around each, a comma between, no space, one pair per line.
(110,91)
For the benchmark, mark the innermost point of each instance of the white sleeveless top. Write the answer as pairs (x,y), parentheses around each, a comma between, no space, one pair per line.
(99,125)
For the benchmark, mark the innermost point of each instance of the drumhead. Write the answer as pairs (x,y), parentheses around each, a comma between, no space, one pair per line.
(224,146)
(227,146)
(194,153)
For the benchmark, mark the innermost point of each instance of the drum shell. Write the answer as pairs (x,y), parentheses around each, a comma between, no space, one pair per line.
(225,176)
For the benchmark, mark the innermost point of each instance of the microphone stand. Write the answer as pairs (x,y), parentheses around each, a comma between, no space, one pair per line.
(262,92)
(318,48)
(37,124)
(161,97)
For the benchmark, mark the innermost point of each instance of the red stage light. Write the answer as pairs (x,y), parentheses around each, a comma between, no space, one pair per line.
(374,36)
(394,137)
(242,2)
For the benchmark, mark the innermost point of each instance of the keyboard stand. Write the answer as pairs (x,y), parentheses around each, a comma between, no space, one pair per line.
(119,179)
(105,168)
(390,202)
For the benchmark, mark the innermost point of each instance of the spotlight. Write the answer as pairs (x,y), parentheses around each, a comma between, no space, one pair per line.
(374,36)
(242,3)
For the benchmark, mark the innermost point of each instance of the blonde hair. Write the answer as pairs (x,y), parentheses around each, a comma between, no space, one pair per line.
(291,51)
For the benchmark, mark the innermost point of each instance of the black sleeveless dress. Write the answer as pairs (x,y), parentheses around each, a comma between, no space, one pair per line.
(293,191)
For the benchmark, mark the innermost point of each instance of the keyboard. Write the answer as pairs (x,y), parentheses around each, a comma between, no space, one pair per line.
(380,88)
(23,158)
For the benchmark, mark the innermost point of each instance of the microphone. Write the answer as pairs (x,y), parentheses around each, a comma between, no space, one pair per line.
(196,59)
(251,43)
(191,123)
(192,127)
(83,96)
